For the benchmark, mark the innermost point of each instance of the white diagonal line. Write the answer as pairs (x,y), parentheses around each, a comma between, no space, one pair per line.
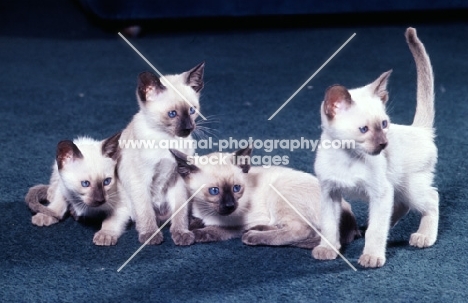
(159,229)
(310,224)
(161,75)
(310,78)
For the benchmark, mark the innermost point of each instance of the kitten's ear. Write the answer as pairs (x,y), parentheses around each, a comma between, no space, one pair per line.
(110,147)
(337,98)
(148,85)
(379,86)
(242,158)
(184,167)
(195,77)
(67,152)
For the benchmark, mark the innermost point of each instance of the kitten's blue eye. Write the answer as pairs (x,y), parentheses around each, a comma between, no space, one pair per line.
(364,129)
(85,183)
(236,188)
(192,110)
(213,191)
(384,124)
(172,114)
(107,181)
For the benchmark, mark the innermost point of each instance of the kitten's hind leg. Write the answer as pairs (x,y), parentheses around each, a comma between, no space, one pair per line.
(428,227)
(57,207)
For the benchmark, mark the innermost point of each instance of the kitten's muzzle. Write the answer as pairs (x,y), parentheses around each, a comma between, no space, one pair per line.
(98,196)
(227,205)
(184,132)
(96,203)
(379,148)
(380,142)
(185,127)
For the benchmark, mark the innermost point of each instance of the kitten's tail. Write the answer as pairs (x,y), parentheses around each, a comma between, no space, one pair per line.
(33,199)
(424,116)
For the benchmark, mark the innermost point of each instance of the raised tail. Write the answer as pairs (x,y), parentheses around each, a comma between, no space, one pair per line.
(424,116)
(33,199)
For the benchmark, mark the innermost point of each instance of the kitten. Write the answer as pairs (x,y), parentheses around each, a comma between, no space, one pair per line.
(392,165)
(237,198)
(84,182)
(148,176)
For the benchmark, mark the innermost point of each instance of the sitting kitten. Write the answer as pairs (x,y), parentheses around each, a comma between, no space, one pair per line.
(237,198)
(84,182)
(148,176)
(392,166)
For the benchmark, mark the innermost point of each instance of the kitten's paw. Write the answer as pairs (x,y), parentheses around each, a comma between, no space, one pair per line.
(40,219)
(104,238)
(324,253)
(421,240)
(183,237)
(204,236)
(157,239)
(371,261)
(253,237)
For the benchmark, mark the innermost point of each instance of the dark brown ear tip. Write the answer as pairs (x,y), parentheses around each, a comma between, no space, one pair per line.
(146,74)
(64,146)
(65,143)
(334,86)
(147,77)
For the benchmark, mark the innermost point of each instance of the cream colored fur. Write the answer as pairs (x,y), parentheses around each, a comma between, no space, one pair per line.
(392,166)
(256,208)
(65,191)
(148,176)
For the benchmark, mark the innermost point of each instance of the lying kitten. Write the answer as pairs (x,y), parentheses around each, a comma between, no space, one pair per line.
(83,181)
(237,198)
(148,176)
(392,166)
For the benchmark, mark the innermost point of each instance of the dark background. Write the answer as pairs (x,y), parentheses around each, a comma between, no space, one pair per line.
(65,72)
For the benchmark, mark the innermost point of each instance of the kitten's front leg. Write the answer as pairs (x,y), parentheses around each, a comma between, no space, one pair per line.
(216,233)
(138,193)
(112,227)
(330,220)
(177,196)
(380,212)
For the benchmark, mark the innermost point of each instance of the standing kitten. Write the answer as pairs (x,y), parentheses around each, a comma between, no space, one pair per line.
(148,175)
(238,198)
(392,166)
(83,181)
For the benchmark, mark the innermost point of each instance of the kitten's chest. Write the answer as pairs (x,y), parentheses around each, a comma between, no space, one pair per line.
(354,177)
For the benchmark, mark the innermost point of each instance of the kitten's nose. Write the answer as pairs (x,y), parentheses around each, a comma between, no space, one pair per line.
(97,203)
(185,132)
(383,145)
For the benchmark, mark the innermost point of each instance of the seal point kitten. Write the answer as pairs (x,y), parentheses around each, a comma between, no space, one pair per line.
(83,182)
